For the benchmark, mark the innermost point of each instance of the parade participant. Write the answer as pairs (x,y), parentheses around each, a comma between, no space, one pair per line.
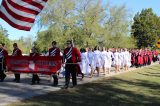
(109,56)
(97,60)
(16,52)
(35,76)
(70,58)
(3,54)
(116,60)
(84,65)
(136,58)
(91,59)
(121,58)
(104,60)
(140,58)
(127,59)
(154,53)
(79,70)
(145,58)
(55,52)
(133,58)
(159,57)
(149,57)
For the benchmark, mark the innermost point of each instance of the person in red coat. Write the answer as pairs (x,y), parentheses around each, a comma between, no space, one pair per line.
(150,57)
(70,57)
(3,55)
(54,51)
(133,58)
(5,52)
(35,76)
(16,52)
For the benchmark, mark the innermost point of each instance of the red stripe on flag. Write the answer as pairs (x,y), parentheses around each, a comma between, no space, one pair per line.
(16,16)
(24,9)
(13,24)
(31,2)
(21,8)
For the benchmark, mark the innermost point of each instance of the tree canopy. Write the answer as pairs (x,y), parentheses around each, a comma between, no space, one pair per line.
(90,23)
(86,22)
(146,28)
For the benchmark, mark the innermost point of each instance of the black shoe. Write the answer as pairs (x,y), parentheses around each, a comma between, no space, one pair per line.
(82,76)
(32,83)
(73,86)
(14,80)
(55,85)
(38,82)
(65,87)
(17,81)
(2,79)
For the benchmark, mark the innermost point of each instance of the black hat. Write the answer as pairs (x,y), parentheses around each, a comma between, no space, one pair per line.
(15,44)
(69,41)
(54,42)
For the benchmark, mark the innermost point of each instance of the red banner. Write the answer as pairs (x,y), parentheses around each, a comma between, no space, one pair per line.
(36,64)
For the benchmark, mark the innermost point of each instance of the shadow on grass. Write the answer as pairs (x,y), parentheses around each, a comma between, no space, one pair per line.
(150,74)
(103,93)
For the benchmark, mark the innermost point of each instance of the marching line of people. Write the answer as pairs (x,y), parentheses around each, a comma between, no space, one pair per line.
(86,61)
(121,59)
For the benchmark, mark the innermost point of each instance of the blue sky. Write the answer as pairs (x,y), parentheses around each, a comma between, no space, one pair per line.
(133,5)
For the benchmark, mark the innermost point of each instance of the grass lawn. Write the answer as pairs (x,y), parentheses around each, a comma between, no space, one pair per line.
(138,88)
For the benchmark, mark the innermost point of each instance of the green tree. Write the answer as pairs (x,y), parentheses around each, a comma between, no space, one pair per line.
(86,22)
(146,28)
(4,38)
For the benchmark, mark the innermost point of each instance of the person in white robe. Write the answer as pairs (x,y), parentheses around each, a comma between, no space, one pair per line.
(129,62)
(97,60)
(116,60)
(121,59)
(90,55)
(104,60)
(109,56)
(126,59)
(84,65)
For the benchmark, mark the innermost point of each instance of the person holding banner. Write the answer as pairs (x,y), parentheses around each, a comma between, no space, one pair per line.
(54,51)
(70,58)
(3,54)
(16,52)
(35,76)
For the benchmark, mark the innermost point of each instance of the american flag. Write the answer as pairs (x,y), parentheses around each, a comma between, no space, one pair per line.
(21,14)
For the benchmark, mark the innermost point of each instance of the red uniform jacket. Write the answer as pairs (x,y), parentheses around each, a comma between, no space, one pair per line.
(17,52)
(72,54)
(4,54)
(54,51)
(133,57)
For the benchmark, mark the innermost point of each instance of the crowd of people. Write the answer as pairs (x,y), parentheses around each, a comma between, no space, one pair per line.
(121,59)
(86,61)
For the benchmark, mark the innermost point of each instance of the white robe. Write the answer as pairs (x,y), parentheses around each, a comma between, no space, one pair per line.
(116,58)
(84,65)
(90,55)
(104,59)
(129,63)
(121,59)
(127,58)
(97,59)
(109,59)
